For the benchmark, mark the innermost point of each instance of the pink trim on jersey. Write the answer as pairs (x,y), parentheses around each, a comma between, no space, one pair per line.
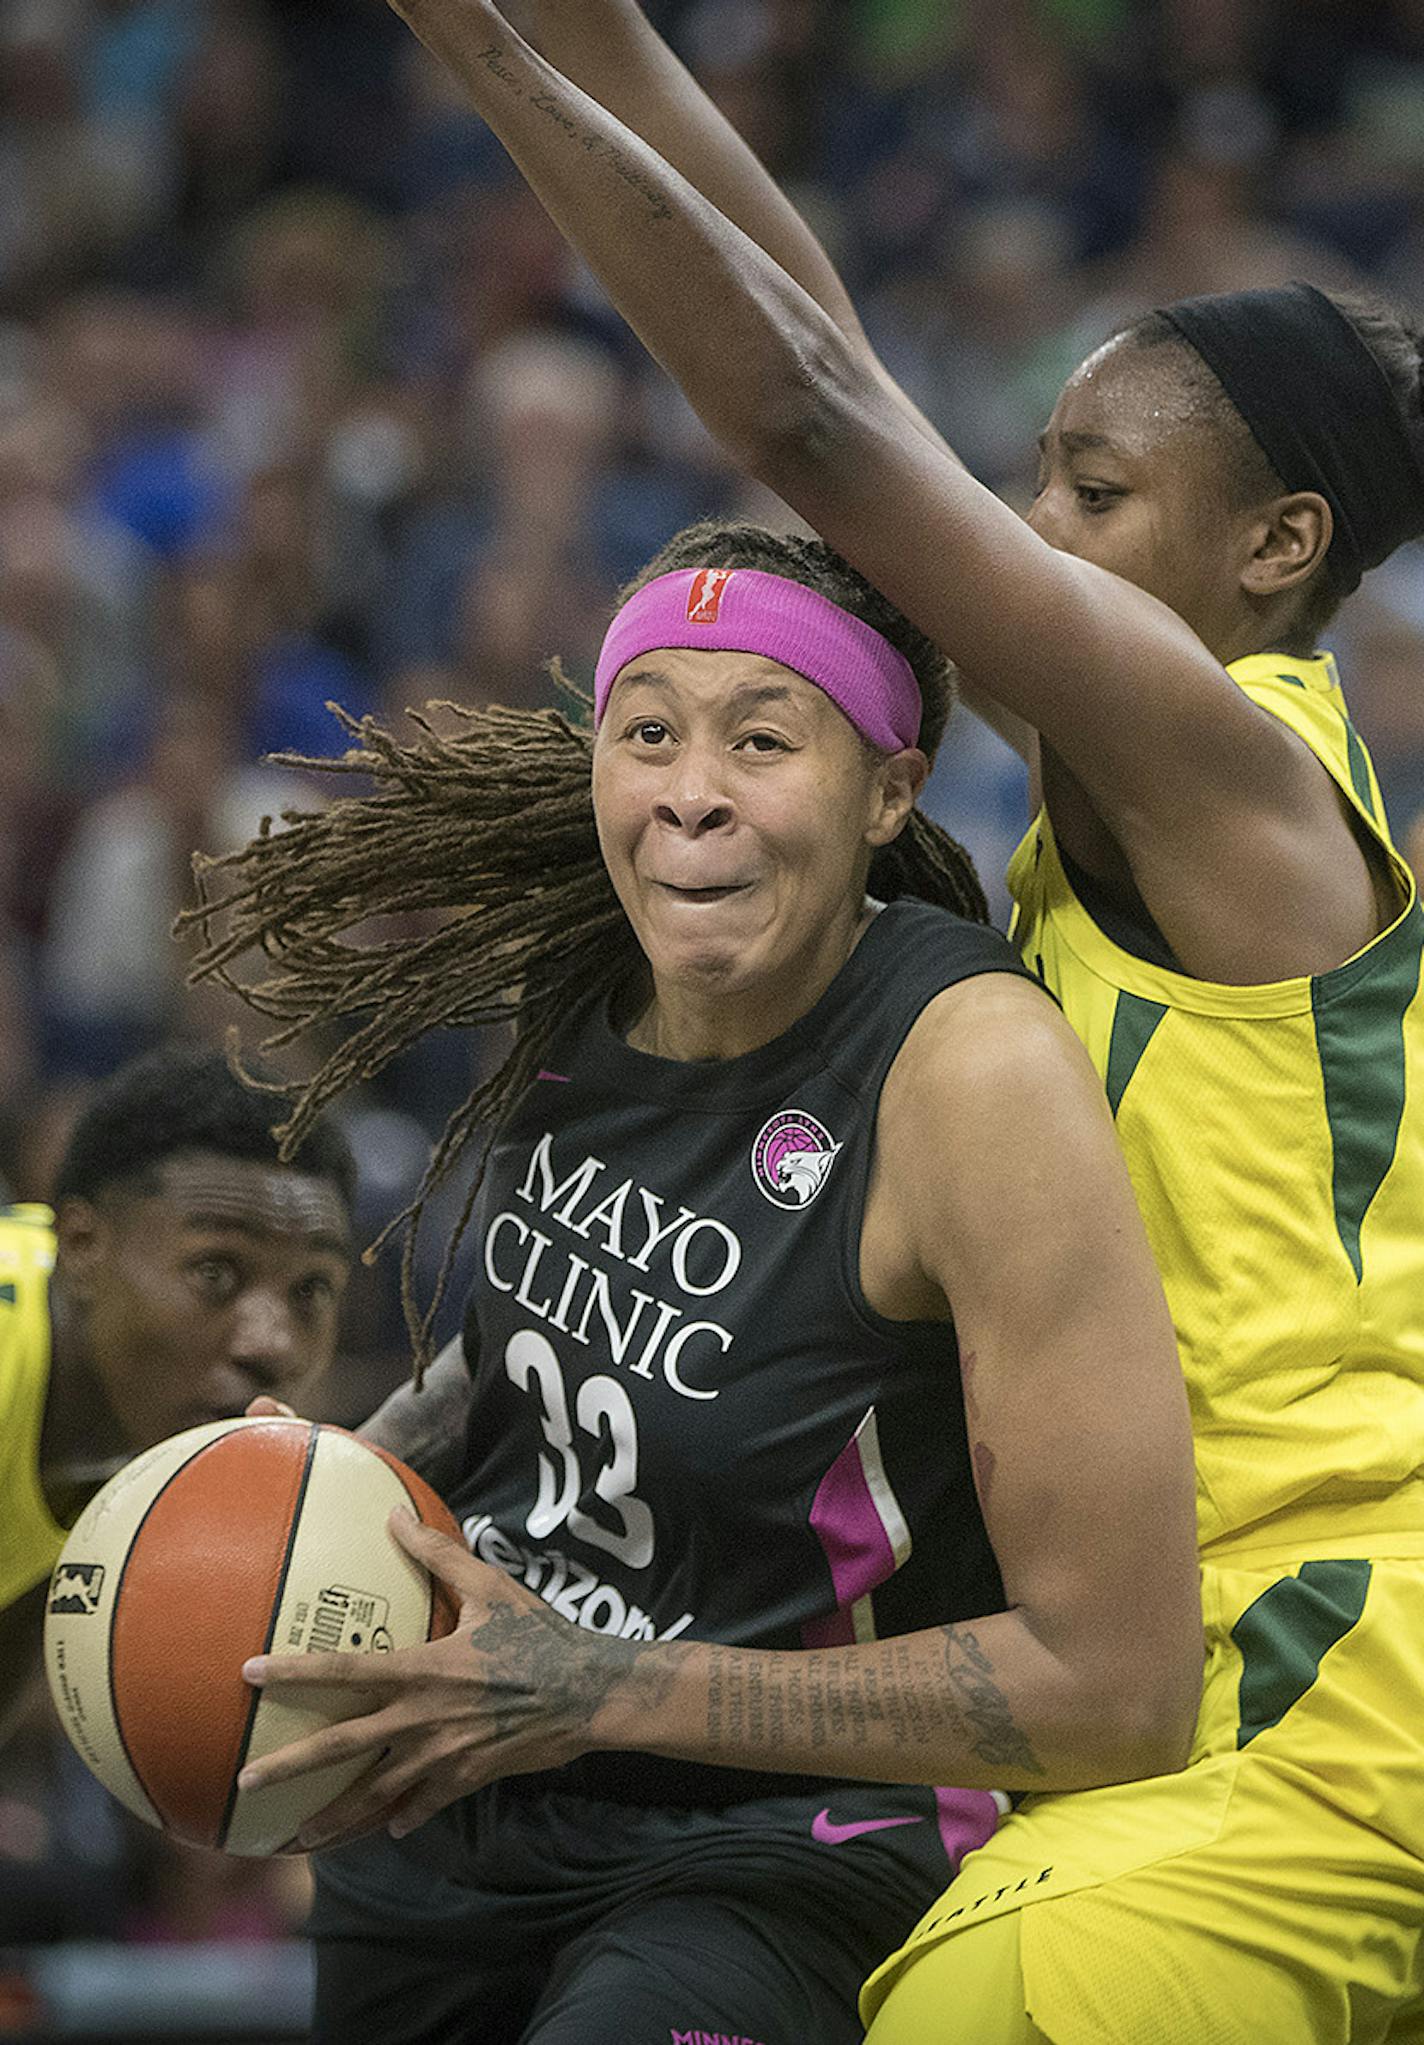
(745,610)
(967,1817)
(857,1522)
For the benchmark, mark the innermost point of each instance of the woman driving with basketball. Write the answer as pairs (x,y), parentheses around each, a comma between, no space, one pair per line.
(824,1426)
(1211,891)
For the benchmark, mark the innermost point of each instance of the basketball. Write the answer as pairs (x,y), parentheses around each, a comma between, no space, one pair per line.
(238,1538)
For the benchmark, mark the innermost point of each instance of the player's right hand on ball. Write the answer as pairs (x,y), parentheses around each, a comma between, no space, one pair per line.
(512,1690)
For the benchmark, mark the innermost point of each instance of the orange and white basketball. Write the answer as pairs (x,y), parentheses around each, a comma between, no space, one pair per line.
(243,1537)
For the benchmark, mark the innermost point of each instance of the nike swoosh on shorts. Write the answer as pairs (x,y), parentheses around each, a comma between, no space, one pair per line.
(829,1833)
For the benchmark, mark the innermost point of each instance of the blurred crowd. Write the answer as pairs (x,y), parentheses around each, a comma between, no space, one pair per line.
(301,400)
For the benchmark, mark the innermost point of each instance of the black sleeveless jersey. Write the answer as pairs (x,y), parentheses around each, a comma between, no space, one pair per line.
(687,1421)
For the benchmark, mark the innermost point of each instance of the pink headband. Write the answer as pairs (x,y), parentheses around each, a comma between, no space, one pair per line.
(743,610)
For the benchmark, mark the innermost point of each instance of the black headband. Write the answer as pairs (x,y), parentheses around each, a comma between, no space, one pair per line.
(1319,407)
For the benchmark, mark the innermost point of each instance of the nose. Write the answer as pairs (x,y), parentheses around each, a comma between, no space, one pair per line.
(263,1343)
(692,800)
(1048,516)
(1039,516)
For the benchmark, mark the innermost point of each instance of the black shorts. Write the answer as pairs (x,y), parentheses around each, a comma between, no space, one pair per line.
(550,1919)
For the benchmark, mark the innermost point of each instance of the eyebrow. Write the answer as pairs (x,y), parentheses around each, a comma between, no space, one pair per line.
(230,1224)
(1079,443)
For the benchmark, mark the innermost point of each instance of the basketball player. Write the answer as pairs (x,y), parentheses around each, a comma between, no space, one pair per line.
(182,1270)
(803,1214)
(1211,891)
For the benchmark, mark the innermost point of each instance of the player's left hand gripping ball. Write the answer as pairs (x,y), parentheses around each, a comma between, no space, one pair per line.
(500,1695)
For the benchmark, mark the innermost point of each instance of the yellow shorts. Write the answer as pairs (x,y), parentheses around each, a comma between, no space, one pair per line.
(1270,1894)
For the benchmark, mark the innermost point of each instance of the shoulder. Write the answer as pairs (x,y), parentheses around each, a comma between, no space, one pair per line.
(993,1028)
(990,1077)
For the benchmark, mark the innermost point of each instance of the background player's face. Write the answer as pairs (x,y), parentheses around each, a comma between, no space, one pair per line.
(737,810)
(1132,477)
(217,1279)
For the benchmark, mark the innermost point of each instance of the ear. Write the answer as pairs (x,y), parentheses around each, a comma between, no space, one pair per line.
(83,1238)
(1290,538)
(899,779)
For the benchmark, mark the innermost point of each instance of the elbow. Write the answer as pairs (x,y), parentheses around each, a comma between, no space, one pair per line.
(1150,1746)
(799,432)
(1149,1725)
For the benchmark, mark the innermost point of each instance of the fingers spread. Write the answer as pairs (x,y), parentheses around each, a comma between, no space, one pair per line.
(328,1671)
(440,1553)
(344,1741)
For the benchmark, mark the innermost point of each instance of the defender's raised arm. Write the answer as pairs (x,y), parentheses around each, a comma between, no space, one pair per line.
(1175,787)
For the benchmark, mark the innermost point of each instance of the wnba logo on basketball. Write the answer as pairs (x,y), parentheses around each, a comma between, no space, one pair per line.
(792,1158)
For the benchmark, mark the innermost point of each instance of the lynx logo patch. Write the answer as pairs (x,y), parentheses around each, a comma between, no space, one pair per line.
(792,1158)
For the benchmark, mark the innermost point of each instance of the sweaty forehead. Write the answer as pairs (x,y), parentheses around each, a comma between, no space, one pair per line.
(270,1201)
(1132,398)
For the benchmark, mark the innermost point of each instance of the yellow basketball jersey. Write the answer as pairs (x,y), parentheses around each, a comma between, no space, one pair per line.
(1275,1137)
(30,1537)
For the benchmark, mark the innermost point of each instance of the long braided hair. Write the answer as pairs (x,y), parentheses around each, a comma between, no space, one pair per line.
(482,843)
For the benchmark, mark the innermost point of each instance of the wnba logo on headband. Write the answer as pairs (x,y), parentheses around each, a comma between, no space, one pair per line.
(746,610)
(704,599)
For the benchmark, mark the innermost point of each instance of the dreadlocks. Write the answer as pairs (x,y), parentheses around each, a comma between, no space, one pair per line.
(484,843)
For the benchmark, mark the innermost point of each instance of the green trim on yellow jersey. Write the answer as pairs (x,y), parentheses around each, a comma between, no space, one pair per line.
(1362,1063)
(32,1536)
(1134,1021)
(1275,1137)
(1286,1634)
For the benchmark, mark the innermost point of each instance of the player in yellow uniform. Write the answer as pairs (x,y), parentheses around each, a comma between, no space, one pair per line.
(183,1271)
(1212,892)
(33,1535)
(1276,1143)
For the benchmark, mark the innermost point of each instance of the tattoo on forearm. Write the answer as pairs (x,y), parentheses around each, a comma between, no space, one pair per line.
(492,57)
(825,1700)
(427,1428)
(1000,1741)
(716,1723)
(632,174)
(544,101)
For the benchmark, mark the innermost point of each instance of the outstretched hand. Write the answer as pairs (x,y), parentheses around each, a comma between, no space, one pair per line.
(512,1689)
